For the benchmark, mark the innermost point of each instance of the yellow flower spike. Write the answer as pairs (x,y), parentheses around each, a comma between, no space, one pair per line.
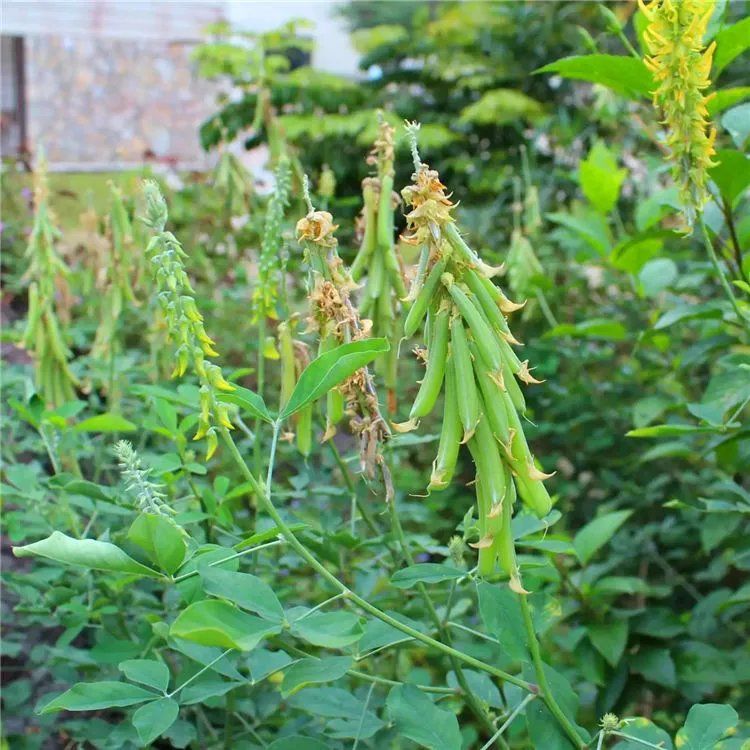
(212,443)
(681,66)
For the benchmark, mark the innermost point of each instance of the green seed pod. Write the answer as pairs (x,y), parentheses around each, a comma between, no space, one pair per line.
(467,395)
(450,435)
(304,430)
(504,546)
(376,276)
(493,403)
(437,352)
(464,252)
(486,454)
(369,238)
(513,389)
(486,340)
(486,543)
(421,304)
(478,286)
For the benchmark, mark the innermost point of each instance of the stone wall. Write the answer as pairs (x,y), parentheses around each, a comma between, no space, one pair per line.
(101,102)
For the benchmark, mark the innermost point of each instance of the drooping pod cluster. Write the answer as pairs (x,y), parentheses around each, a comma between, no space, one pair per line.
(681,66)
(383,287)
(337,321)
(184,322)
(43,336)
(470,358)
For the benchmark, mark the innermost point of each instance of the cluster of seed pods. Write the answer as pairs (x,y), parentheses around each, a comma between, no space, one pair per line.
(470,358)
(337,321)
(377,260)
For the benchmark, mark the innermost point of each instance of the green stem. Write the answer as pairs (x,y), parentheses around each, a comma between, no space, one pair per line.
(392,683)
(261,376)
(541,677)
(517,710)
(306,555)
(198,674)
(721,275)
(443,632)
(630,738)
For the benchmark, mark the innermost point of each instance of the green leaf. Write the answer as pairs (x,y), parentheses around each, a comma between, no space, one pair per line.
(94,696)
(500,106)
(655,664)
(667,430)
(727,98)
(597,533)
(329,629)
(600,178)
(737,123)
(597,328)
(105,423)
(153,719)
(731,174)
(310,671)
(610,639)
(245,590)
(149,672)
(730,43)
(248,401)
(330,369)
(88,553)
(425,573)
(417,718)
(657,275)
(218,623)
(350,714)
(161,539)
(688,311)
(706,724)
(625,75)
(501,615)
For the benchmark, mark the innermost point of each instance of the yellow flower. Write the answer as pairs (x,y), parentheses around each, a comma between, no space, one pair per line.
(681,65)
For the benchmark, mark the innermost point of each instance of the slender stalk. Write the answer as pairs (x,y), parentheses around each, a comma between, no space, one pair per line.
(362,717)
(306,555)
(541,677)
(198,674)
(630,738)
(443,632)
(261,376)
(722,276)
(517,710)
(600,741)
(392,683)
(242,553)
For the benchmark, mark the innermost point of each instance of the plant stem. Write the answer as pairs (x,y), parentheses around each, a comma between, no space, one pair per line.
(198,674)
(443,632)
(722,277)
(375,679)
(306,555)
(517,710)
(630,738)
(541,677)
(261,376)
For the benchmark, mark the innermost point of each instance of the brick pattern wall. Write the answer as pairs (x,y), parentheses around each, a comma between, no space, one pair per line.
(99,101)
